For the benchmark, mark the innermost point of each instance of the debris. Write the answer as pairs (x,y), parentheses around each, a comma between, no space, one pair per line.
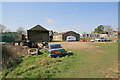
(33,51)
(16,44)
(69,53)
(44,44)
(24,47)
(59,60)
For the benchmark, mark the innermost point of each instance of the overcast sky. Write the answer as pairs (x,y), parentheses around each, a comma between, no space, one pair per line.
(60,16)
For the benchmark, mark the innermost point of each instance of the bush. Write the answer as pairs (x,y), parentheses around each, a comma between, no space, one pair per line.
(9,57)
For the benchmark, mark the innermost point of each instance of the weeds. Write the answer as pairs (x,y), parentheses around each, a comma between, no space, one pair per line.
(83,64)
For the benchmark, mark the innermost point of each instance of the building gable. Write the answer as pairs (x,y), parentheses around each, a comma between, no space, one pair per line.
(38,28)
(62,36)
(71,32)
(66,33)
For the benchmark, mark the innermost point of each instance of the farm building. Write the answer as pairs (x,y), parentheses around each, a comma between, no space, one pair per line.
(103,35)
(84,34)
(38,34)
(11,37)
(115,34)
(94,35)
(62,36)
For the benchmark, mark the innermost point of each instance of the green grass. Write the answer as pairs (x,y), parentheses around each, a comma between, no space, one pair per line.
(114,38)
(95,64)
(109,47)
(83,64)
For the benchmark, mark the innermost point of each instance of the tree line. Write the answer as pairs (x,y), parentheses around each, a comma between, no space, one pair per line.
(101,29)
(4,29)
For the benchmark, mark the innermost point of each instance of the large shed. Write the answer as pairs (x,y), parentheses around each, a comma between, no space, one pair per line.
(11,37)
(62,36)
(38,34)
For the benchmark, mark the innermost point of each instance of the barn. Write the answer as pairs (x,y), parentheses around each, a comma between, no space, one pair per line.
(38,34)
(62,36)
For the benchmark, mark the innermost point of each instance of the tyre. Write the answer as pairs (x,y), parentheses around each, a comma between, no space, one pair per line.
(21,43)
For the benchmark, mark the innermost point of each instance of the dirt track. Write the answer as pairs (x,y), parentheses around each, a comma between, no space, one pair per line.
(75,45)
(85,46)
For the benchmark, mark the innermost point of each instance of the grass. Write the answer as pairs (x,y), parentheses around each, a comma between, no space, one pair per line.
(114,38)
(109,47)
(36,66)
(82,64)
(95,64)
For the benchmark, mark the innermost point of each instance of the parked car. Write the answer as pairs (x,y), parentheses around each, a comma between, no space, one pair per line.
(55,50)
(102,39)
(71,38)
(92,40)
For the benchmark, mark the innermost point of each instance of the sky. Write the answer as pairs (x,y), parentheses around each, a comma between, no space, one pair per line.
(59,0)
(60,16)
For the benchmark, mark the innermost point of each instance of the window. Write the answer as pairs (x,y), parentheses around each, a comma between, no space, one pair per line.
(55,46)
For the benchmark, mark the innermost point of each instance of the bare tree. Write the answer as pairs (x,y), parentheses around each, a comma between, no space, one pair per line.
(21,30)
(108,29)
(2,28)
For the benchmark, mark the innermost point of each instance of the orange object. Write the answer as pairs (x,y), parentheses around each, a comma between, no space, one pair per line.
(82,40)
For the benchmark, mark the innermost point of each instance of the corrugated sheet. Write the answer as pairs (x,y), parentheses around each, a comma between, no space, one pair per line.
(38,27)
(11,37)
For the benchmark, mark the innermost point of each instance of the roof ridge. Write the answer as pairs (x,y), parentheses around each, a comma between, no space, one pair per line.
(64,32)
(38,27)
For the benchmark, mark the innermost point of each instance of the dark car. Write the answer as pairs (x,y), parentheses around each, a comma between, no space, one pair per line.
(55,50)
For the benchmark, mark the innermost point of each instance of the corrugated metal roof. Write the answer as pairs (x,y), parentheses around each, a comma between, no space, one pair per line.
(38,28)
(64,32)
(60,33)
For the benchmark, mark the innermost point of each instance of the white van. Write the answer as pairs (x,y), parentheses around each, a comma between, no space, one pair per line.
(71,38)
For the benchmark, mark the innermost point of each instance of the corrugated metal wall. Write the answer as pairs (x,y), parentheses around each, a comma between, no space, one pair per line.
(38,36)
(71,34)
(11,37)
(62,37)
(57,38)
